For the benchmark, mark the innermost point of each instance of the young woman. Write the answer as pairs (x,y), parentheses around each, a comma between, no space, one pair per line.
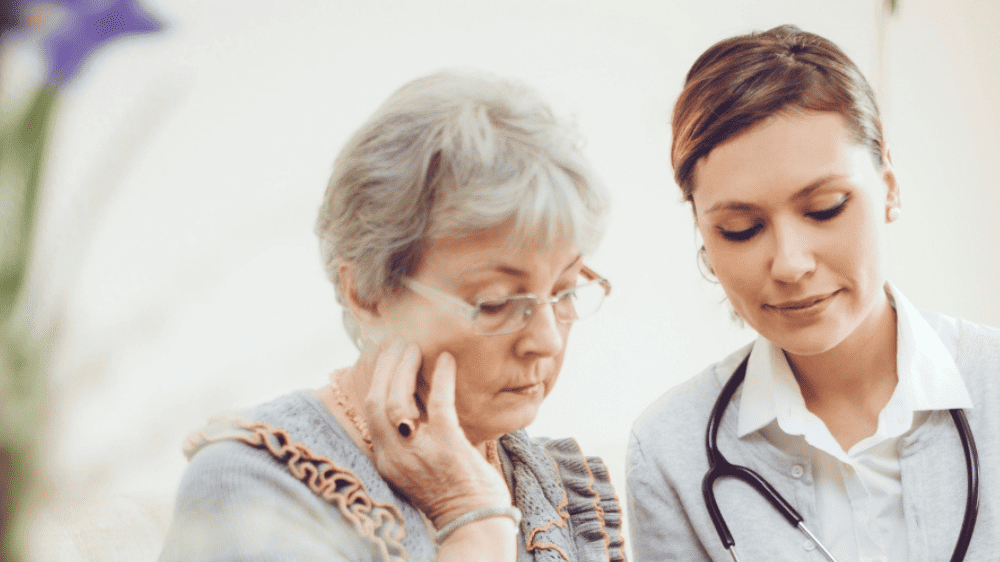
(845,406)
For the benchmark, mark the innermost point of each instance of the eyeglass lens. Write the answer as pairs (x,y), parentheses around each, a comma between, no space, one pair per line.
(511,314)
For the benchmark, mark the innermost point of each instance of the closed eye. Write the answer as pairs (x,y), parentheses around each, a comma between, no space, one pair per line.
(741,235)
(495,306)
(830,212)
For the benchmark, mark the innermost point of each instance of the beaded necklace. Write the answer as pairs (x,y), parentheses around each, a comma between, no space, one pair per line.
(345,405)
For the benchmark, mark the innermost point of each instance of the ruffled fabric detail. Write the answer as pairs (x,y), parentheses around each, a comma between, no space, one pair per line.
(381,522)
(594,510)
(570,512)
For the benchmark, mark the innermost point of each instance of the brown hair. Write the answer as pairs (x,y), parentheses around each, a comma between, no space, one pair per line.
(743,80)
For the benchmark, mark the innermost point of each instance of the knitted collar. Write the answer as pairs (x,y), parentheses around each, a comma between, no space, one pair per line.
(540,496)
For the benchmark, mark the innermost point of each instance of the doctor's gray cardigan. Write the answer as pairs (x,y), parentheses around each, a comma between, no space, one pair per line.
(667,461)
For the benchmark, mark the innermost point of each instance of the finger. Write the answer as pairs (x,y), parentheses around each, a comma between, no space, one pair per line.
(378,392)
(441,400)
(400,404)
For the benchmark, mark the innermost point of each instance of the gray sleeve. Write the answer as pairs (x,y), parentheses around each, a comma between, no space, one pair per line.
(660,529)
(236,503)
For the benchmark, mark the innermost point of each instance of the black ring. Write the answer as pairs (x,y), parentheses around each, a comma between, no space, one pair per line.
(405,428)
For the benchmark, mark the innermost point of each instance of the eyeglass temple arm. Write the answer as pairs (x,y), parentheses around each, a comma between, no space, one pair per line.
(591,275)
(439,297)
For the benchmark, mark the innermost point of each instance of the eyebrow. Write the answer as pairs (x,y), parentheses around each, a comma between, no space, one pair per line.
(801,194)
(514,271)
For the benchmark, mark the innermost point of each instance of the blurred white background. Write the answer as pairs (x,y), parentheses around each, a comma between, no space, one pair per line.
(176,239)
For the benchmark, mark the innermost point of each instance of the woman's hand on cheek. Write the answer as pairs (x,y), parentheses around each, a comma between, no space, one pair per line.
(435,467)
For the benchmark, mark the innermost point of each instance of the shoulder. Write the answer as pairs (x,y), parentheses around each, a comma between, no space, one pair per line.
(665,465)
(962,336)
(276,445)
(249,455)
(678,417)
(301,414)
(227,473)
(974,347)
(298,418)
(281,469)
(235,499)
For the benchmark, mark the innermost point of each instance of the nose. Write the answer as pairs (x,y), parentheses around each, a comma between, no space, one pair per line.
(792,255)
(544,335)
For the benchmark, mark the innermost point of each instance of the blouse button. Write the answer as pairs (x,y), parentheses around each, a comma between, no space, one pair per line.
(797,471)
(809,545)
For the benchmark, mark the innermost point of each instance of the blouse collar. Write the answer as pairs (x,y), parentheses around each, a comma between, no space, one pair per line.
(928,376)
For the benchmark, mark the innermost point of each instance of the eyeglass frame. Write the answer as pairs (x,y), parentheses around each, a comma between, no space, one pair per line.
(471,311)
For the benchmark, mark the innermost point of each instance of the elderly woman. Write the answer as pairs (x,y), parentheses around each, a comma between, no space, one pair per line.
(454,229)
(857,408)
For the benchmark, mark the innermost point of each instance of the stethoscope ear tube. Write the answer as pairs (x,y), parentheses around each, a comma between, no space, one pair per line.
(718,466)
(714,457)
(972,496)
(713,510)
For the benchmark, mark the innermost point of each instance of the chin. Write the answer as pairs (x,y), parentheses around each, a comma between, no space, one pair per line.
(499,424)
(809,343)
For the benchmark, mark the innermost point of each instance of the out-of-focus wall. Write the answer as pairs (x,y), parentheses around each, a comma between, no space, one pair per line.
(195,162)
(941,86)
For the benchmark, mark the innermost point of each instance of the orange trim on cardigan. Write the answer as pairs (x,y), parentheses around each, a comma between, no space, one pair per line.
(562,510)
(597,503)
(600,510)
(621,539)
(381,522)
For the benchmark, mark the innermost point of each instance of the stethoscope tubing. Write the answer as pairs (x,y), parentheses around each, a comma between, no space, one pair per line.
(972,495)
(719,466)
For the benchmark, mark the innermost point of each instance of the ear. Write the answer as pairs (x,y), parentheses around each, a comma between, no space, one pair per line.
(892,199)
(366,314)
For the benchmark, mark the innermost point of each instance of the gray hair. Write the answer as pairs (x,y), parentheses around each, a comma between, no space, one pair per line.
(449,155)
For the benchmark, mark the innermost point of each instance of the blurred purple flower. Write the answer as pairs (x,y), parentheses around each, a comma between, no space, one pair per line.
(8,17)
(88,24)
(11,13)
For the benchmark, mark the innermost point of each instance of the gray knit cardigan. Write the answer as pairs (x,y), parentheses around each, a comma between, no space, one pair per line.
(284,481)
(667,460)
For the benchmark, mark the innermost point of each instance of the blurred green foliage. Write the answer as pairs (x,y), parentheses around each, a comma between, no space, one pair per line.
(26,340)
(23,343)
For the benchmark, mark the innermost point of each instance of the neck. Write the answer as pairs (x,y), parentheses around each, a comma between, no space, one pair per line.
(355,381)
(848,386)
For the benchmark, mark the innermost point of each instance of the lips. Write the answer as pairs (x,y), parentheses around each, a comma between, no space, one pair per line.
(525,388)
(805,305)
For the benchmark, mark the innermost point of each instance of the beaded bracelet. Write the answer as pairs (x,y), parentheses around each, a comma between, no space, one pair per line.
(477,515)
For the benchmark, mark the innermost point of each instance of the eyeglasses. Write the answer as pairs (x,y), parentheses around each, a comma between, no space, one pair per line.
(505,315)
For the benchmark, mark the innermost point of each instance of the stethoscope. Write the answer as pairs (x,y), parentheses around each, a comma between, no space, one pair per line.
(718,466)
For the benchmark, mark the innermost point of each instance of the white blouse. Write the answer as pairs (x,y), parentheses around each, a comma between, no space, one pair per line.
(858,491)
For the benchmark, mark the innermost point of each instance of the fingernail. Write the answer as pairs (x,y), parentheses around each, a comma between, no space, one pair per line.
(445,360)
